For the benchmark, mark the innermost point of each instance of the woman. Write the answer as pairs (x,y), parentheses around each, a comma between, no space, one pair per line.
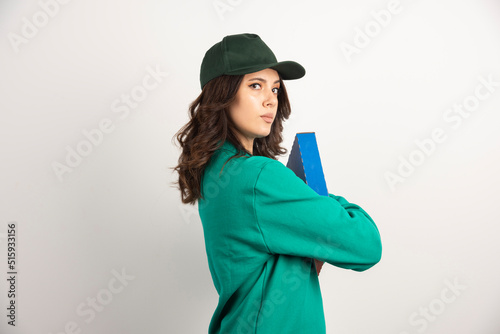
(262,224)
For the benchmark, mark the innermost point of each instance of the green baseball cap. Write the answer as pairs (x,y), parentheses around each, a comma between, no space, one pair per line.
(243,54)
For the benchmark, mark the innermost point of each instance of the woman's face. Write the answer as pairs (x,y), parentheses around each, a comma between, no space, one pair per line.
(254,108)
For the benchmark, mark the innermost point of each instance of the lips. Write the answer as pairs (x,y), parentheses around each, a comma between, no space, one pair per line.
(269,117)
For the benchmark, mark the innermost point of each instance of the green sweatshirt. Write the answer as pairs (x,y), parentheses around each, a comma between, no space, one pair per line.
(263,226)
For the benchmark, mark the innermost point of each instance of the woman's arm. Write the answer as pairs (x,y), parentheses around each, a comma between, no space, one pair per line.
(295,220)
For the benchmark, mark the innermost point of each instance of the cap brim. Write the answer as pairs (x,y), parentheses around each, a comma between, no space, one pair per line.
(288,69)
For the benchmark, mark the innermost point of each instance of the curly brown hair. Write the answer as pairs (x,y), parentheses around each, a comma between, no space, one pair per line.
(210,126)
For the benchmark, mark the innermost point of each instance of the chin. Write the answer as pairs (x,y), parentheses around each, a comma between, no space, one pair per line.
(263,134)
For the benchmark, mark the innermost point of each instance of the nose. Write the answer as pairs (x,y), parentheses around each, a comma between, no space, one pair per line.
(271,100)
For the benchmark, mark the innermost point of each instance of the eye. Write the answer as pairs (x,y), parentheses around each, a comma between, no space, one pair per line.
(255,85)
(276,90)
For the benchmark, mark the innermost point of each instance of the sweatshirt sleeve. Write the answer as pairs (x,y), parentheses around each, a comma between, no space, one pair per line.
(295,220)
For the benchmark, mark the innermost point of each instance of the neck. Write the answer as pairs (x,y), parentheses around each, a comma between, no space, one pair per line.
(248,145)
(247,142)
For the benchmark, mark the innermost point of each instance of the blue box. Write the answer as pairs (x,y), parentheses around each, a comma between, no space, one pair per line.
(305,162)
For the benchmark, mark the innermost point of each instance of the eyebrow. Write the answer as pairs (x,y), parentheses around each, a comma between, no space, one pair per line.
(262,80)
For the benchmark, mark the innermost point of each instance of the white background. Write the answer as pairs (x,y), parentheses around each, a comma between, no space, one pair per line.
(117,210)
